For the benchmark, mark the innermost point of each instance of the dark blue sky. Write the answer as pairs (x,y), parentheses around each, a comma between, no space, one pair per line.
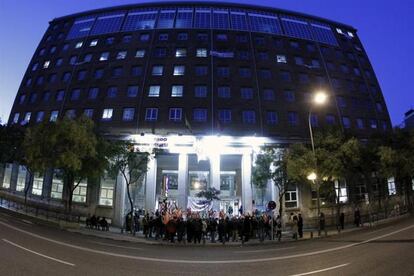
(385,27)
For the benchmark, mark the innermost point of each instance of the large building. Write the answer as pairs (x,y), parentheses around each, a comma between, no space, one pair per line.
(208,82)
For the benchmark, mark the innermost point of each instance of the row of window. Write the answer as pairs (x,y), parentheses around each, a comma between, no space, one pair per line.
(176,114)
(200,91)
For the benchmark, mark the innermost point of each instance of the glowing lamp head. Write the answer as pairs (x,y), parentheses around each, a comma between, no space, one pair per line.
(311,176)
(320,98)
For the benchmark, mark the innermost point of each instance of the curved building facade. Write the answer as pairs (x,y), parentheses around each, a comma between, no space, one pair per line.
(208,82)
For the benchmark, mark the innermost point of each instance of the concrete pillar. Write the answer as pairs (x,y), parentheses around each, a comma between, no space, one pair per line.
(247,194)
(47,185)
(182,180)
(215,176)
(13,179)
(151,185)
(119,201)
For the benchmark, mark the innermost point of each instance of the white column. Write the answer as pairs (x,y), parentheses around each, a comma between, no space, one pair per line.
(215,176)
(246,183)
(182,181)
(120,201)
(151,185)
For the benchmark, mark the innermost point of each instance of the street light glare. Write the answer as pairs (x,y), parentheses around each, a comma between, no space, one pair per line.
(320,97)
(312,176)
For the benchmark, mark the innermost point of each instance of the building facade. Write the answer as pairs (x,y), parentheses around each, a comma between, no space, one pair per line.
(209,83)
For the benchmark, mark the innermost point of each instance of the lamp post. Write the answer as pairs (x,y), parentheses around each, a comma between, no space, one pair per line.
(318,99)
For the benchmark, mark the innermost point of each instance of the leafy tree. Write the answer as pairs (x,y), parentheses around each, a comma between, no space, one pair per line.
(209,194)
(397,160)
(70,146)
(272,165)
(131,164)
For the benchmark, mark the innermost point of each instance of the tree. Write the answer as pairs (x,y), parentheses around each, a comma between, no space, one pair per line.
(131,164)
(396,158)
(70,146)
(209,195)
(271,164)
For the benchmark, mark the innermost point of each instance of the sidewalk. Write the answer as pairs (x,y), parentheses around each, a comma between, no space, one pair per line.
(116,235)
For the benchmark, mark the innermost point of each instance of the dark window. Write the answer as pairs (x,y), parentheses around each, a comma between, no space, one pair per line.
(224,115)
(271,118)
(33,98)
(223,92)
(66,77)
(293,118)
(303,78)
(46,96)
(263,56)
(259,40)
(117,72)
(289,96)
(98,74)
(241,38)
(136,71)
(60,95)
(221,37)
(200,114)
(284,75)
(330,119)
(93,93)
(128,114)
(294,44)
(163,37)
(249,117)
(201,70)
(81,75)
(200,91)
(244,55)
(246,93)
(202,37)
(245,72)
(52,78)
(311,48)
(75,95)
(132,91)
(182,36)
(265,73)
(223,71)
(269,95)
(110,40)
(144,37)
(40,80)
(160,52)
(112,92)
(126,38)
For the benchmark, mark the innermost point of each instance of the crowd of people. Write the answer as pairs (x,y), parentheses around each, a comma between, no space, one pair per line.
(196,227)
(98,223)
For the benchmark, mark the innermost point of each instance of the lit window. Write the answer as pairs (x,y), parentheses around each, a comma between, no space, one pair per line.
(151,114)
(350,34)
(16,118)
(180,52)
(339,31)
(177,90)
(154,91)
(46,64)
(281,59)
(128,114)
(175,114)
(80,192)
(373,123)
(249,117)
(140,53)
(179,70)
(21,179)
(200,114)
(107,114)
(54,115)
(392,190)
(121,55)
(7,175)
(104,56)
(201,52)
(200,91)
(26,118)
(79,44)
(37,184)
(291,197)
(106,193)
(157,70)
(93,43)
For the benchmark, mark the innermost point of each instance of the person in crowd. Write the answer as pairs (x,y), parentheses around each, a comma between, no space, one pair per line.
(321,222)
(342,220)
(295,227)
(180,230)
(198,229)
(357,217)
(300,226)
(213,229)
(104,224)
(204,230)
(278,226)
(221,231)
(228,228)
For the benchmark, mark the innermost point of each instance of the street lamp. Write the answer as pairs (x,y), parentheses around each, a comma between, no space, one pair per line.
(319,98)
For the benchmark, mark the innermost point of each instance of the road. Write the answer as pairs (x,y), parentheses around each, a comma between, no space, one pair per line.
(30,249)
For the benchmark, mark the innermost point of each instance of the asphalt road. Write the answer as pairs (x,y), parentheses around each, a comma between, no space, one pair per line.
(30,249)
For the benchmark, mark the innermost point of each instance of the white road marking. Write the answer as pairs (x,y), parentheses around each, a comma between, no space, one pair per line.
(118,246)
(140,258)
(27,221)
(39,254)
(264,250)
(321,270)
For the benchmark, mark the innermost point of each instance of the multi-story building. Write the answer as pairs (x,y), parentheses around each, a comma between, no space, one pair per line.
(208,82)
